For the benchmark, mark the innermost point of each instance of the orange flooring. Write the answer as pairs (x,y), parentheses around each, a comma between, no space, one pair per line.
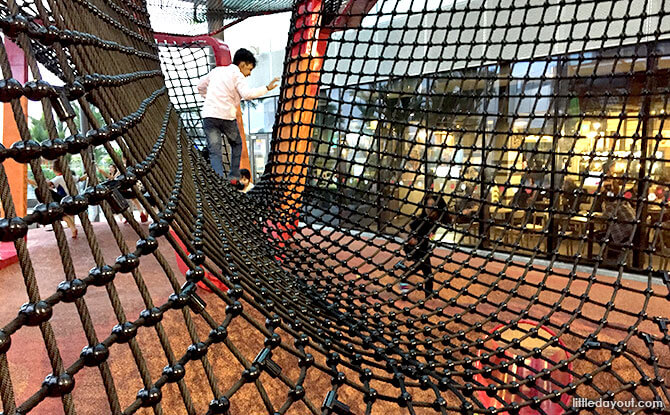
(29,364)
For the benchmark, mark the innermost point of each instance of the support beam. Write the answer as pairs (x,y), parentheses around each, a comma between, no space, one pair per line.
(16,172)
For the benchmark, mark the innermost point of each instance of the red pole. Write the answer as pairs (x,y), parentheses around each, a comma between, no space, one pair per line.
(300,95)
(16,172)
(299,99)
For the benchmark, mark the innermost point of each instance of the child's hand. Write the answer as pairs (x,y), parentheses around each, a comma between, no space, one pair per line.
(272,85)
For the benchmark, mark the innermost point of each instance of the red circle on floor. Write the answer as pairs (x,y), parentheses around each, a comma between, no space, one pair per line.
(531,366)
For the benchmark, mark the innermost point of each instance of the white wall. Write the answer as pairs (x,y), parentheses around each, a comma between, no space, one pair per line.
(440,36)
(266,37)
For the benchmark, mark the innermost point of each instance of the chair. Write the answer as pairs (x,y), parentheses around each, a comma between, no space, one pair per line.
(585,207)
(498,215)
(467,232)
(614,252)
(659,240)
(535,227)
(516,231)
(501,216)
(570,230)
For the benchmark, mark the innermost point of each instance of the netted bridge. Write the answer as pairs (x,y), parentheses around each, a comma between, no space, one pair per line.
(524,145)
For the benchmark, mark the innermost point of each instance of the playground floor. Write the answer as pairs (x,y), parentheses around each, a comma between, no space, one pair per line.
(29,363)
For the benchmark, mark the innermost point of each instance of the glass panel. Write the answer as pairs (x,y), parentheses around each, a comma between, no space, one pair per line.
(561,132)
(657,213)
(600,149)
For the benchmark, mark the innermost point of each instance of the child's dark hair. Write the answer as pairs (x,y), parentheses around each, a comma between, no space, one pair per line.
(244,55)
(56,167)
(438,204)
(245,173)
(610,197)
(438,201)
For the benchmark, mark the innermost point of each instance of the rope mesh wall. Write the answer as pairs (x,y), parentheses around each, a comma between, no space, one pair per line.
(463,212)
(202,10)
(183,65)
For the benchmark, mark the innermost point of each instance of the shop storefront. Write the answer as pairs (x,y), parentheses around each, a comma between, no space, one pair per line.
(537,139)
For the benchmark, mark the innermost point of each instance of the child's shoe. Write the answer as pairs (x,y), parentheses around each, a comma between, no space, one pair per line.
(400,265)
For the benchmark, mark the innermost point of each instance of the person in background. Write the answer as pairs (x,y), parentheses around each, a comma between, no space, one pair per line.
(223,89)
(418,246)
(609,187)
(245,181)
(611,184)
(59,190)
(112,174)
(569,190)
(659,195)
(527,190)
(622,229)
(466,197)
(655,193)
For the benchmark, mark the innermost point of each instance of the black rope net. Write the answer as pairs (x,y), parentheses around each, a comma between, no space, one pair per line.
(183,64)
(464,211)
(207,10)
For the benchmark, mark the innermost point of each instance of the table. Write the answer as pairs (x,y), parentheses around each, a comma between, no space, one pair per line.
(501,211)
(655,213)
(589,219)
(501,216)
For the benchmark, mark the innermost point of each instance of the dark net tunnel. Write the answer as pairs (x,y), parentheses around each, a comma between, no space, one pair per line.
(463,211)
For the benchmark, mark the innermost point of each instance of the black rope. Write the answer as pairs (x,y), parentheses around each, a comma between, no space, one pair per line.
(463,211)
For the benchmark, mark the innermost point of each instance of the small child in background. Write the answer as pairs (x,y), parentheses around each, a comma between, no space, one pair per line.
(245,181)
(418,246)
(113,173)
(59,190)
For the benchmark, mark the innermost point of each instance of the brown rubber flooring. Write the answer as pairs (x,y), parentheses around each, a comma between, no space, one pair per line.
(29,363)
